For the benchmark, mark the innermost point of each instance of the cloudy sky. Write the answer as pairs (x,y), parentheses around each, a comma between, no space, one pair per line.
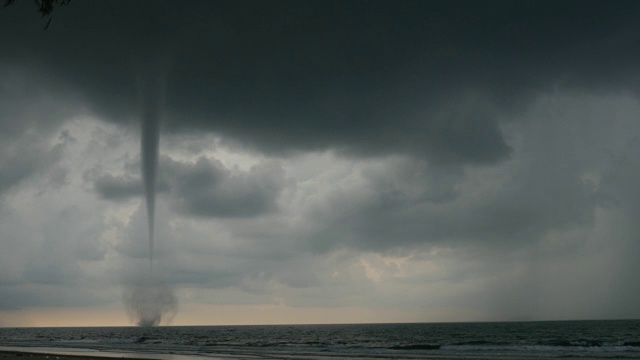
(323,161)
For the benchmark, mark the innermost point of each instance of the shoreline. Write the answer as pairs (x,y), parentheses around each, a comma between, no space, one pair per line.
(48,353)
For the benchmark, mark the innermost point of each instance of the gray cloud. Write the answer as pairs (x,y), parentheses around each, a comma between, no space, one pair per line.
(51,252)
(116,188)
(21,297)
(505,226)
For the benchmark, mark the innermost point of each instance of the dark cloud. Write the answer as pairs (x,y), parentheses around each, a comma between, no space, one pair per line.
(29,119)
(15,168)
(32,102)
(371,77)
(117,188)
(205,187)
(208,188)
(551,184)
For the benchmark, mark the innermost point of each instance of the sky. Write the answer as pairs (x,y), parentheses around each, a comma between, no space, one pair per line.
(323,161)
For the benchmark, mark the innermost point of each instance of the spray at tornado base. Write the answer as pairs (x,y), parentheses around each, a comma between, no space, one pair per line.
(148,298)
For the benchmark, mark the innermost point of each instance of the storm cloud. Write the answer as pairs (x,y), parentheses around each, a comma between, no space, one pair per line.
(459,160)
(367,78)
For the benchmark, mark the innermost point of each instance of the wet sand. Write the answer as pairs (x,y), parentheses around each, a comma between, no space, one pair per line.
(18,355)
(65,354)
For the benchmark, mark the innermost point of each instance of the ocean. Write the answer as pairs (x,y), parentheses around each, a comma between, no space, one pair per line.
(610,339)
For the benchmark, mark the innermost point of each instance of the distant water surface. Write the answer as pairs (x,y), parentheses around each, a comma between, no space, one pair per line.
(615,339)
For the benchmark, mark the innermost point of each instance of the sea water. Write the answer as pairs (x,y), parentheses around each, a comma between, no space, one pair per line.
(613,339)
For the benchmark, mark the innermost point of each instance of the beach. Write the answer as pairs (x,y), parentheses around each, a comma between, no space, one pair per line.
(20,355)
(88,354)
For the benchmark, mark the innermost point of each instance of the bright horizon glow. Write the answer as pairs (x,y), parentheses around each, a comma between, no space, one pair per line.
(221,315)
(227,315)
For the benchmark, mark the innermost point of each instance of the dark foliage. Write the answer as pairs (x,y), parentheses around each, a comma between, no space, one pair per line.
(45,7)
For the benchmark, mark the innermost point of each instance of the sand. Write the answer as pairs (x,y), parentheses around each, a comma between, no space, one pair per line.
(17,355)
(55,354)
